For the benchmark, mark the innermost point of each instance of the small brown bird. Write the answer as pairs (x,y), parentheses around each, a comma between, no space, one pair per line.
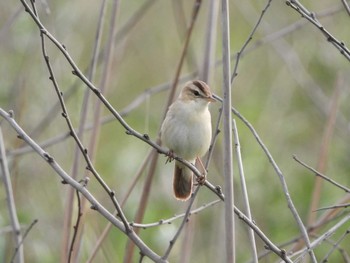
(186,131)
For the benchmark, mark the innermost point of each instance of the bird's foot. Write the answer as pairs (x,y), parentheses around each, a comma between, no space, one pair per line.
(170,155)
(201,179)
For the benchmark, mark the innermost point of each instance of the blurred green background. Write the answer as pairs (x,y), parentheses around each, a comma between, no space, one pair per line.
(285,84)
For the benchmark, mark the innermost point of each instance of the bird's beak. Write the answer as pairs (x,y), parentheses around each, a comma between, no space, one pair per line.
(211,98)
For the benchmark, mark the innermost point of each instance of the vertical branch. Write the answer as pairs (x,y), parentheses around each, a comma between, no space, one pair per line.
(283,184)
(181,26)
(322,161)
(76,228)
(204,74)
(184,221)
(154,155)
(244,190)
(108,58)
(69,202)
(23,238)
(16,228)
(227,128)
(210,43)
(108,227)
(120,224)
(195,12)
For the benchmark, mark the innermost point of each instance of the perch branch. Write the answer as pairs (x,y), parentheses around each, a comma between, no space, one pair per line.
(95,205)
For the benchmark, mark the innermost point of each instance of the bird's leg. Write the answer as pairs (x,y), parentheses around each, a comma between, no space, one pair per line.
(201,179)
(170,155)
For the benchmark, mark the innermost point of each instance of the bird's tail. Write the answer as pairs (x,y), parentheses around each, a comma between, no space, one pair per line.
(183,177)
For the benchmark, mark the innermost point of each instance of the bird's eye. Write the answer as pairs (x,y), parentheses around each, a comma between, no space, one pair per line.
(196,93)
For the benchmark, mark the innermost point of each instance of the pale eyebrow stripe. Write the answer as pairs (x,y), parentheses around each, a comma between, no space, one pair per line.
(199,85)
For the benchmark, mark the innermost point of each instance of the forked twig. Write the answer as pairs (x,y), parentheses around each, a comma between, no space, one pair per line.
(151,171)
(323,237)
(24,236)
(310,16)
(280,175)
(82,189)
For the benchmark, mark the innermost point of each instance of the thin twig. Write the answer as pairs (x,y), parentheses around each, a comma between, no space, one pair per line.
(136,102)
(346,6)
(24,236)
(128,192)
(129,24)
(280,175)
(324,150)
(297,69)
(184,221)
(104,84)
(323,237)
(310,16)
(181,26)
(130,131)
(210,43)
(16,228)
(80,133)
(170,220)
(250,37)
(83,150)
(329,215)
(82,189)
(110,217)
(271,37)
(244,190)
(333,207)
(269,245)
(154,159)
(347,190)
(335,246)
(106,73)
(76,227)
(133,20)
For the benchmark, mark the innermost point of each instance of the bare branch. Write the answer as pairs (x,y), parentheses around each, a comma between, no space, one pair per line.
(16,228)
(154,158)
(334,207)
(335,246)
(227,133)
(281,177)
(184,221)
(310,16)
(170,220)
(24,236)
(346,6)
(244,190)
(324,150)
(347,190)
(250,37)
(75,233)
(82,189)
(323,237)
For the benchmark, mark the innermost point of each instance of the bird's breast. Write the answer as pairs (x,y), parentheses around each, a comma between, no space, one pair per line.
(188,135)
